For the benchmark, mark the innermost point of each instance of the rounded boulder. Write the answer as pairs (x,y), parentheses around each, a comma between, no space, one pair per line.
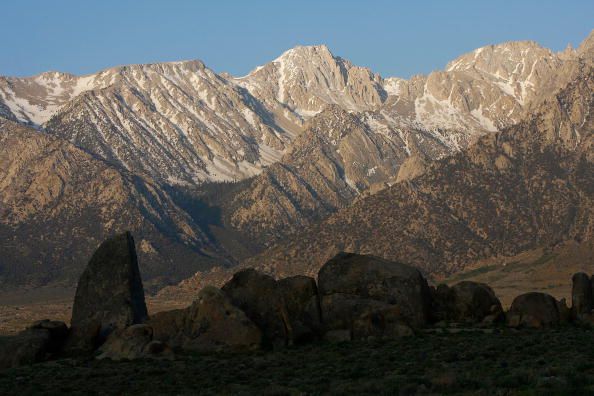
(360,277)
(534,310)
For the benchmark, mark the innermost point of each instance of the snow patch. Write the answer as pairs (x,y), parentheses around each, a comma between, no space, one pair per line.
(486,122)
(250,116)
(392,86)
(307,113)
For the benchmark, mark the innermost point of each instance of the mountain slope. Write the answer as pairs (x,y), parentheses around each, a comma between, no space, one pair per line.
(484,90)
(528,186)
(335,160)
(309,134)
(179,123)
(481,92)
(35,99)
(57,203)
(304,80)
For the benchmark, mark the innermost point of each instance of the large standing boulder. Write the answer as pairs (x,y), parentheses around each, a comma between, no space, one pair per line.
(466,301)
(109,294)
(581,294)
(258,295)
(39,342)
(211,323)
(534,310)
(300,294)
(355,288)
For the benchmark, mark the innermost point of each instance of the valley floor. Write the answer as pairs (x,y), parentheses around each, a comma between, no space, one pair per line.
(19,311)
(553,361)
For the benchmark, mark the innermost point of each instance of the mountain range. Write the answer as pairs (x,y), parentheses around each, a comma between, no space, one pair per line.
(304,156)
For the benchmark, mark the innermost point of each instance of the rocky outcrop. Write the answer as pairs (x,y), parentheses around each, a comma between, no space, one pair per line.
(366,288)
(534,310)
(302,302)
(211,323)
(383,323)
(259,296)
(466,302)
(109,294)
(41,341)
(170,326)
(357,297)
(366,297)
(134,342)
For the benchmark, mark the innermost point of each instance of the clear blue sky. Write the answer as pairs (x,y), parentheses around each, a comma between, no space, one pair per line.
(394,38)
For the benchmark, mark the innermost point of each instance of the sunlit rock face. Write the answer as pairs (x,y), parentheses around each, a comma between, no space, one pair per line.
(308,134)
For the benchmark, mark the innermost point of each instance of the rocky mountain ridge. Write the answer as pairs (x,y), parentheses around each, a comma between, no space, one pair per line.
(181,122)
(391,145)
(314,132)
(527,186)
(336,159)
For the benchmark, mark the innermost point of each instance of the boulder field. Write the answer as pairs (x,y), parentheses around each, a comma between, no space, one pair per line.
(355,297)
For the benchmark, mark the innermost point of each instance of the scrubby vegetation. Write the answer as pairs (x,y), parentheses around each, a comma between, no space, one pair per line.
(498,361)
